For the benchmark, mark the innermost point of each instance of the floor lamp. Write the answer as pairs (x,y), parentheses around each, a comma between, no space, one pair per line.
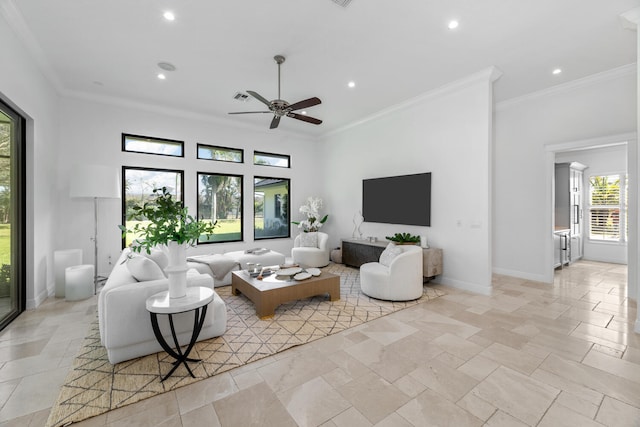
(96,182)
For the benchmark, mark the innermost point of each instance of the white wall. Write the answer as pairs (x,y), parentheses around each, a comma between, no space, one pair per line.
(599,161)
(594,107)
(24,87)
(91,133)
(447,133)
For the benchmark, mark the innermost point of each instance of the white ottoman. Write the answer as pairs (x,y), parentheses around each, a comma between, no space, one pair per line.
(78,282)
(266,259)
(61,260)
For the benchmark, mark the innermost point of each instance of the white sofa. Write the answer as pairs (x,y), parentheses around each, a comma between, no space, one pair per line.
(311,256)
(400,280)
(124,322)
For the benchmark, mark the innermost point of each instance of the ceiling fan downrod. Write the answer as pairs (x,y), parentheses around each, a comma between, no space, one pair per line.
(279,60)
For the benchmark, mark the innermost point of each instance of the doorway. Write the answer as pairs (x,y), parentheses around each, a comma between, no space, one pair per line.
(12,214)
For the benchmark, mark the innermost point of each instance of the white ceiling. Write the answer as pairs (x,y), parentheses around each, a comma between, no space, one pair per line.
(393,50)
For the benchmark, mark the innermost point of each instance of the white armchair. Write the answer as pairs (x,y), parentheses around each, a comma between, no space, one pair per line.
(401,280)
(311,256)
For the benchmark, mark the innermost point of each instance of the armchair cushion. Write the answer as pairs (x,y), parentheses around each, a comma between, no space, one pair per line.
(309,240)
(144,269)
(390,252)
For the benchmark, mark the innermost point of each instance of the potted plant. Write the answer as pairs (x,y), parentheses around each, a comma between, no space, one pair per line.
(167,222)
(311,209)
(404,239)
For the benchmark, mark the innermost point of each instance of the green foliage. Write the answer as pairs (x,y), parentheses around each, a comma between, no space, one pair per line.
(167,220)
(404,238)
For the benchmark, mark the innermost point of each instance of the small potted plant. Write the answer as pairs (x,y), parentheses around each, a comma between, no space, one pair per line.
(404,239)
(167,222)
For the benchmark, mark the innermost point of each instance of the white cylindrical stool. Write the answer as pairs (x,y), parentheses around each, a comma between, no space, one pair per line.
(78,282)
(62,260)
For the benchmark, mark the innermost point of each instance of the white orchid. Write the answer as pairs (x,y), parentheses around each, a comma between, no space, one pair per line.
(311,209)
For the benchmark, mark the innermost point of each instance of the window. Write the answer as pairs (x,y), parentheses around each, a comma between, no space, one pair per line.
(147,145)
(608,208)
(271,208)
(220,199)
(137,188)
(267,159)
(221,154)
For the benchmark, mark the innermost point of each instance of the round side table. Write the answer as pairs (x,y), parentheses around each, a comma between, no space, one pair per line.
(196,300)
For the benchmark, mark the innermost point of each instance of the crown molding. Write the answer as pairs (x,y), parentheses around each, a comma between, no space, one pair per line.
(615,73)
(18,25)
(488,75)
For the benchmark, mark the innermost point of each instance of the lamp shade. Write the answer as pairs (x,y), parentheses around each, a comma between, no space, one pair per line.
(94,181)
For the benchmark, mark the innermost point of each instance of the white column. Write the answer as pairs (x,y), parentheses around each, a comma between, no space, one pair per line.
(631,20)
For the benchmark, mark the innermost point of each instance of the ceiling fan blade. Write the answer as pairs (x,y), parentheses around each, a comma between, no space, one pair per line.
(250,112)
(259,97)
(304,104)
(275,122)
(305,118)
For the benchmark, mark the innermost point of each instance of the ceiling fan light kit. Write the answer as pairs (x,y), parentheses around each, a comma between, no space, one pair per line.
(279,107)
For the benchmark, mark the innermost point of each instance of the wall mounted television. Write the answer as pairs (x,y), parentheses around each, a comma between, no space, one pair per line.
(402,199)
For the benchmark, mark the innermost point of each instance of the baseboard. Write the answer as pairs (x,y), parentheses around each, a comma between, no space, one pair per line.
(39,299)
(522,275)
(465,286)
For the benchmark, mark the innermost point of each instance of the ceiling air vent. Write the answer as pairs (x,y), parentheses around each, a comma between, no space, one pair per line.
(343,3)
(239,96)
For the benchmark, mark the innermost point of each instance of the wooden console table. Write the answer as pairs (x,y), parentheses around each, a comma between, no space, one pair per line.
(356,252)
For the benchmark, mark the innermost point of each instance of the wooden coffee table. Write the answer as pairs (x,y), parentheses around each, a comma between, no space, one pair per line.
(274,290)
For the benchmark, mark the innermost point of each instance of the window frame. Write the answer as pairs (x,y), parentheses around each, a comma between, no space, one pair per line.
(622,208)
(123,194)
(275,155)
(287,222)
(152,139)
(240,208)
(219,147)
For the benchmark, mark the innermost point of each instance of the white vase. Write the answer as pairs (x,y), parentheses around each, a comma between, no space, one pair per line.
(177,269)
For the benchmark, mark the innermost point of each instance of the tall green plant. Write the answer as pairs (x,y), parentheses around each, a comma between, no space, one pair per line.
(169,221)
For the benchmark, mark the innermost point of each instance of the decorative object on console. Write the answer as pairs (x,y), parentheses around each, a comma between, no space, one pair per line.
(358,219)
(404,239)
(311,209)
(94,181)
(169,224)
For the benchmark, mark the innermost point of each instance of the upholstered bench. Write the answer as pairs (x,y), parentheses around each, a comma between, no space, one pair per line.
(267,258)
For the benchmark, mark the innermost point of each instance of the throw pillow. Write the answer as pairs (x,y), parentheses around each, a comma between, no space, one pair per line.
(143,269)
(309,240)
(390,252)
(158,256)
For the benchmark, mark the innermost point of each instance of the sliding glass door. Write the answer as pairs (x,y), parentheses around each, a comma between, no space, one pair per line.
(12,214)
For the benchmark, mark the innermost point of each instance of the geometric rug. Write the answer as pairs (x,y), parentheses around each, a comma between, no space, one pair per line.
(94,386)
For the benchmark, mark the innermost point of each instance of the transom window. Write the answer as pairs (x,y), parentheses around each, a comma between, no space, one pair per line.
(608,207)
(221,154)
(149,145)
(269,159)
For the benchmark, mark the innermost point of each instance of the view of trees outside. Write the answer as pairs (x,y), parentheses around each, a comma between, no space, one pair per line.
(271,208)
(5,205)
(220,199)
(138,189)
(605,201)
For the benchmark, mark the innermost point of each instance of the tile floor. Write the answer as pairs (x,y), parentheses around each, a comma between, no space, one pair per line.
(529,355)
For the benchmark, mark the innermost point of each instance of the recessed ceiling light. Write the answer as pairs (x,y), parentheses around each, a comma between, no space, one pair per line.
(169,16)
(351,84)
(557,71)
(453,24)
(161,76)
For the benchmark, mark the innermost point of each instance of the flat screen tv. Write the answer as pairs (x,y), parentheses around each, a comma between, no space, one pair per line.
(402,199)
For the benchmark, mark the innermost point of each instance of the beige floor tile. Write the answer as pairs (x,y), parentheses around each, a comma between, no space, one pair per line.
(255,406)
(479,367)
(202,416)
(166,403)
(313,403)
(516,394)
(577,404)
(591,317)
(563,345)
(447,382)
(381,399)
(431,409)
(614,352)
(502,419)
(613,365)
(596,379)
(450,360)
(512,358)
(457,346)
(394,420)
(387,330)
(291,371)
(561,416)
(632,355)
(476,406)
(443,324)
(615,413)
(568,385)
(604,336)
(204,392)
(351,418)
(409,386)
(505,337)
(389,363)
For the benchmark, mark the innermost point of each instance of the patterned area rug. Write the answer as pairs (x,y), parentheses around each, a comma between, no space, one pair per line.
(94,386)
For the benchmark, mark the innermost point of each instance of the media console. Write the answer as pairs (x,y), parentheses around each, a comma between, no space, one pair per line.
(356,252)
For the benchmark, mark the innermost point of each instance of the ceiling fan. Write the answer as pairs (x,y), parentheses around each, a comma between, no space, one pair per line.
(280,107)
